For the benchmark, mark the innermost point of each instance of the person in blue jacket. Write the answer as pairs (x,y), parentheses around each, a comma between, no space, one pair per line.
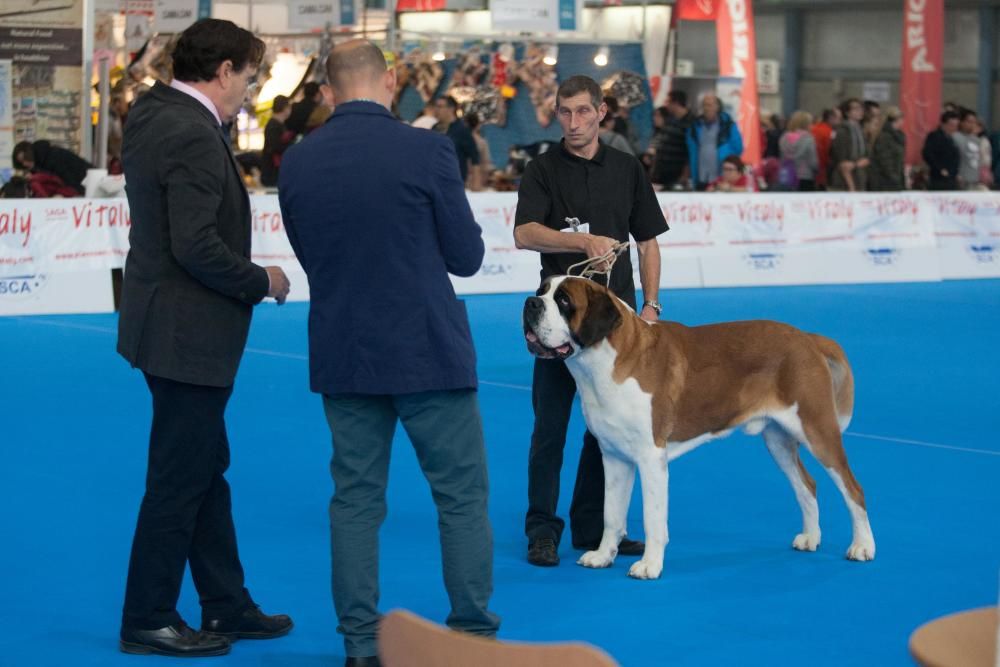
(377,215)
(712,138)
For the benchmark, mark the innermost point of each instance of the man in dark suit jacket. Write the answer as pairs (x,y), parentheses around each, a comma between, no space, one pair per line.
(187,297)
(942,155)
(377,215)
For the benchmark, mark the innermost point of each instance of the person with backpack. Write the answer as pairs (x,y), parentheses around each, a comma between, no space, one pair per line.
(799,160)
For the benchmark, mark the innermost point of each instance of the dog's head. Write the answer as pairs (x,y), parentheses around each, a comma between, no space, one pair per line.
(568,314)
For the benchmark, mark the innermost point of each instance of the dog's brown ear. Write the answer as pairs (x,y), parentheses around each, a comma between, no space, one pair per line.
(600,319)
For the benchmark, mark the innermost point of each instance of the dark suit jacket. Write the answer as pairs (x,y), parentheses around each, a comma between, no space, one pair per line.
(377,215)
(941,152)
(189,284)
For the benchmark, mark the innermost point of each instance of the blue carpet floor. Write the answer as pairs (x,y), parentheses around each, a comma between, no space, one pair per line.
(923,444)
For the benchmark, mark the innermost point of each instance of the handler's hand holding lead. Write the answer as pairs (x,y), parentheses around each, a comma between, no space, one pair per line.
(598,246)
(279,283)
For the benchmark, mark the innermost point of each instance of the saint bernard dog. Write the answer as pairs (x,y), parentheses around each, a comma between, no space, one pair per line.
(654,391)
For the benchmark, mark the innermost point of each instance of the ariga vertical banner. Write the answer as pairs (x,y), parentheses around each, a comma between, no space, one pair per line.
(738,58)
(920,81)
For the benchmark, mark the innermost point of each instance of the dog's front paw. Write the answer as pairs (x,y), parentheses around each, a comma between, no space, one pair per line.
(596,559)
(645,569)
(806,542)
(862,550)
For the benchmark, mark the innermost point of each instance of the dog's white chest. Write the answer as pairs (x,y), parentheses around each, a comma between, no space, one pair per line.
(619,415)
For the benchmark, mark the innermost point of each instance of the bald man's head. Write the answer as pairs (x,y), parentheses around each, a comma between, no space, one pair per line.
(355,63)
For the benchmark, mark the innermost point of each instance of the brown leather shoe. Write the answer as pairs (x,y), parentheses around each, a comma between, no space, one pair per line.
(175,640)
(251,623)
(626,547)
(542,552)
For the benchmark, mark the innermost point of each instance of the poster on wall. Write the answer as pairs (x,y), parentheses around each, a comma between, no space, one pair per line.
(536,15)
(44,41)
(174,15)
(6,119)
(317,14)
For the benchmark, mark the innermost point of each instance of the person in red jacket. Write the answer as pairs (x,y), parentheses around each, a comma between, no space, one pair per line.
(823,134)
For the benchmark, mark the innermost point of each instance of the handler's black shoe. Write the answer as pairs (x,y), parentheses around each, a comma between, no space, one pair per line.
(370,661)
(542,552)
(626,547)
(251,623)
(176,640)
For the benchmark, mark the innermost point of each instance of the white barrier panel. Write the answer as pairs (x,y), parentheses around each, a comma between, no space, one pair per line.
(69,293)
(967,227)
(714,240)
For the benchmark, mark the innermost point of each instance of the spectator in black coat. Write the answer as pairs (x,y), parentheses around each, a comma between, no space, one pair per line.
(277,137)
(312,95)
(671,160)
(942,155)
(42,156)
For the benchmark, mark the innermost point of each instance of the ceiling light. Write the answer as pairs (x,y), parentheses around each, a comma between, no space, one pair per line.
(551,56)
(601,57)
(438,54)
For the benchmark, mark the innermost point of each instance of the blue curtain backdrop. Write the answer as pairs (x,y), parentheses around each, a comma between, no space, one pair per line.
(522,127)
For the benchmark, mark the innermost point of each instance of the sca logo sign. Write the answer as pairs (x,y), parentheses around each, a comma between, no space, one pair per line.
(882,256)
(763,261)
(985,253)
(21,287)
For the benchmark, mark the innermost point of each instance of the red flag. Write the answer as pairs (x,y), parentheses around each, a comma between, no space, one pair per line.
(697,10)
(420,5)
(920,83)
(738,58)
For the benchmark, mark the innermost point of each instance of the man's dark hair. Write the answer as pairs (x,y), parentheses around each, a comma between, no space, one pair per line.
(208,43)
(845,106)
(279,104)
(871,104)
(678,97)
(26,151)
(949,115)
(310,90)
(450,101)
(580,84)
(965,113)
(828,115)
(472,120)
(612,103)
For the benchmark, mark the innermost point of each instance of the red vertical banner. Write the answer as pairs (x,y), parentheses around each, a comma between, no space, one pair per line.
(738,58)
(920,82)
(697,10)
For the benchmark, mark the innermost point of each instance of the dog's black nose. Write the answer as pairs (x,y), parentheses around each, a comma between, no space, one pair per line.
(533,304)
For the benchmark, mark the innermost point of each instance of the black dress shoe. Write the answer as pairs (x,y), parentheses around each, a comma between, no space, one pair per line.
(175,640)
(370,661)
(542,552)
(251,623)
(626,547)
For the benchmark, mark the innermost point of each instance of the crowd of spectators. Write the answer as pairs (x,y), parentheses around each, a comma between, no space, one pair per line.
(858,146)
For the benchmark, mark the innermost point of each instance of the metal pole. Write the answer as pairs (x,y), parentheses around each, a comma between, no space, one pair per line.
(250,15)
(87,26)
(104,92)
(391,5)
(987,47)
(793,57)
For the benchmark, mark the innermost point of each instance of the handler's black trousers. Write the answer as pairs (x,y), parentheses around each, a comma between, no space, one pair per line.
(186,513)
(552,392)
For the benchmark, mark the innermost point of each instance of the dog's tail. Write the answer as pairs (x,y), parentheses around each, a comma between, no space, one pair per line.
(843,378)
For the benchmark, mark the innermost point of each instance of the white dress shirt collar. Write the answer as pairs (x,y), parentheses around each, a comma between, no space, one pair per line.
(198,95)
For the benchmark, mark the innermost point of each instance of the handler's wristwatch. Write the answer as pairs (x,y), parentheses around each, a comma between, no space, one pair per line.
(655,305)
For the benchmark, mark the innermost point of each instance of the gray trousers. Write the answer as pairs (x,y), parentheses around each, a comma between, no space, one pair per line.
(447,435)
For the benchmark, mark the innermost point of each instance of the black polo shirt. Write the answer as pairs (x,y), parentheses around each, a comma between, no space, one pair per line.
(610,191)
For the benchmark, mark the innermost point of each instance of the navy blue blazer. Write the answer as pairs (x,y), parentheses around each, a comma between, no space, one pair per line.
(377,215)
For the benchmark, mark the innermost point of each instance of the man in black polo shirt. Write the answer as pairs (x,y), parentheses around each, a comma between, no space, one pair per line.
(446,110)
(608,193)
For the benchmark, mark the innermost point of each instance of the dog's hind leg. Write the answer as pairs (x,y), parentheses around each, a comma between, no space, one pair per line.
(784,448)
(823,438)
(654,477)
(619,477)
